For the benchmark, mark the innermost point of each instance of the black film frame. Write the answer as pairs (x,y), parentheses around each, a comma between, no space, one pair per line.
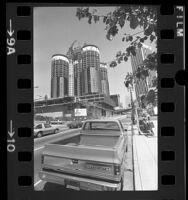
(171,114)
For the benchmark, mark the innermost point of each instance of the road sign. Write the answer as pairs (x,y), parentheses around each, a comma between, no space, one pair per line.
(80,112)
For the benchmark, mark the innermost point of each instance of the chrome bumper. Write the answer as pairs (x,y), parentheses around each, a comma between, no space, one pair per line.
(84,183)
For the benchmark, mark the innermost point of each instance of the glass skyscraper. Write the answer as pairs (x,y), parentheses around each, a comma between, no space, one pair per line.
(79,73)
(90,69)
(141,85)
(104,79)
(59,76)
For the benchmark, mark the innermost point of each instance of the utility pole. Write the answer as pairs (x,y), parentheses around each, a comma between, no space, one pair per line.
(129,86)
(132,105)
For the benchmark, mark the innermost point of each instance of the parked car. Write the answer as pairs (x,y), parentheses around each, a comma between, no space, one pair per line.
(44,129)
(75,124)
(93,159)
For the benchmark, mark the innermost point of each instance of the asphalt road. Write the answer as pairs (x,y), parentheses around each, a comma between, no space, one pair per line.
(40,142)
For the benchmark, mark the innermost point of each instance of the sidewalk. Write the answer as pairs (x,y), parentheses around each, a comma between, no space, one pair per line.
(145,152)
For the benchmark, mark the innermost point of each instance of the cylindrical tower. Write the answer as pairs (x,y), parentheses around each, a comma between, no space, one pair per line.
(91,64)
(59,76)
(77,66)
(104,79)
(77,77)
(71,79)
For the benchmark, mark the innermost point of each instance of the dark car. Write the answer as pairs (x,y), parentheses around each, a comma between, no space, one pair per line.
(75,124)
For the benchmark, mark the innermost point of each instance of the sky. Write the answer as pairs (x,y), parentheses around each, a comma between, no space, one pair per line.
(55,28)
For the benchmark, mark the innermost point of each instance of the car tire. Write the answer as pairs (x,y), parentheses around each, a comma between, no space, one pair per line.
(55,131)
(39,134)
(121,188)
(121,185)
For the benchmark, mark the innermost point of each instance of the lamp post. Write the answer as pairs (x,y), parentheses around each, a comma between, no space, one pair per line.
(129,86)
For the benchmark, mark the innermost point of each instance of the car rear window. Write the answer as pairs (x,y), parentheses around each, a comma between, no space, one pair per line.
(101,126)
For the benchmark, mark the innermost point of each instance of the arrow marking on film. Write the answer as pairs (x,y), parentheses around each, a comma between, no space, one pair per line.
(10,32)
(11,133)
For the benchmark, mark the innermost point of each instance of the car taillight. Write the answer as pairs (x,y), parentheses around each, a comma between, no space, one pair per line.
(117,169)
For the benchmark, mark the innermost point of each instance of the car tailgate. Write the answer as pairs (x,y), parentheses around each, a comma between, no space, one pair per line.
(80,160)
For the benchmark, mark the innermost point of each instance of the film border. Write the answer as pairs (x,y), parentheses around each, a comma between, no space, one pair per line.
(20,112)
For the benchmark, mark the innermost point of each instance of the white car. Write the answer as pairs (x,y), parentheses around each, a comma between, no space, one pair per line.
(44,129)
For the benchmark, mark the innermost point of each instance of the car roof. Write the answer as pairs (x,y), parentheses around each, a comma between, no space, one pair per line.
(42,123)
(102,120)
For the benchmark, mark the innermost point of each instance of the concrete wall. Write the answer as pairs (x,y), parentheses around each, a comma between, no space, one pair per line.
(93,112)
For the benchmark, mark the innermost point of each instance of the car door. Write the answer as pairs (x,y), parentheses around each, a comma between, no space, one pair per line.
(38,128)
(48,128)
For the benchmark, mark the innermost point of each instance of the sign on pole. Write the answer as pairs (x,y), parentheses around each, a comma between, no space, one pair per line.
(80,112)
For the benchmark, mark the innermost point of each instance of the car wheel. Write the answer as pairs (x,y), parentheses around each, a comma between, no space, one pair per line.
(121,185)
(55,131)
(39,134)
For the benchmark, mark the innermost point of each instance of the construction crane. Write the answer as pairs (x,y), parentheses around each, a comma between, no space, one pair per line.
(70,51)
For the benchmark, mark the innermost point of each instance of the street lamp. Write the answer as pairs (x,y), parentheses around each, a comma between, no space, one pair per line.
(129,86)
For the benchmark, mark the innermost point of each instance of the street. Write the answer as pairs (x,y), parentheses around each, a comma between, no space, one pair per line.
(140,173)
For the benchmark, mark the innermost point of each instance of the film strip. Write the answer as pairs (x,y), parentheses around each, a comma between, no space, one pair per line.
(171,107)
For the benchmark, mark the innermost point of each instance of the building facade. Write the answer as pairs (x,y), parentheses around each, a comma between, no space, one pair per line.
(116,99)
(104,79)
(127,101)
(59,76)
(71,79)
(90,70)
(79,73)
(141,85)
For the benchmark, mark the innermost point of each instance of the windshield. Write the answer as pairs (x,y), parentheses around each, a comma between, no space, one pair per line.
(101,126)
(38,126)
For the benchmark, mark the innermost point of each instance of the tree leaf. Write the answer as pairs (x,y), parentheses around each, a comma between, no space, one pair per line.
(145,38)
(130,38)
(128,51)
(89,20)
(127,84)
(141,40)
(133,22)
(104,19)
(148,31)
(132,50)
(125,58)
(121,22)
(114,30)
(113,64)
(118,54)
(107,21)
(119,61)
(152,37)
(139,45)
